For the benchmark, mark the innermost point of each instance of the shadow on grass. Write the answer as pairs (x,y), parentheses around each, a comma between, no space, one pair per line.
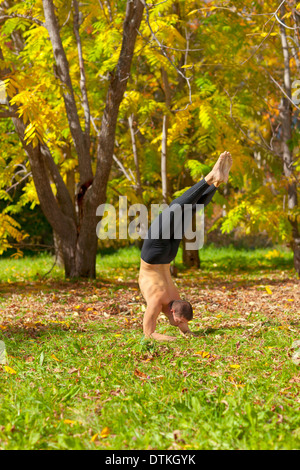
(222,330)
(42,333)
(215,283)
(52,286)
(212,331)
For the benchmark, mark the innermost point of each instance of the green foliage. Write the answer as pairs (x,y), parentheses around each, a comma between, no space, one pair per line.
(9,229)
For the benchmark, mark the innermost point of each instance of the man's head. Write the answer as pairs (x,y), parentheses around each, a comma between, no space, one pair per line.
(182,311)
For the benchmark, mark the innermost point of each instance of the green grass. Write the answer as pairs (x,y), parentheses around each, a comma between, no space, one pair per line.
(82,382)
(212,404)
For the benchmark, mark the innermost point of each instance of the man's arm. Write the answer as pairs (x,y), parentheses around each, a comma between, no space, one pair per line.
(185,331)
(149,323)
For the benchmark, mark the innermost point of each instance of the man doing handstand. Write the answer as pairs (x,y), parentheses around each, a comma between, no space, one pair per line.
(156,284)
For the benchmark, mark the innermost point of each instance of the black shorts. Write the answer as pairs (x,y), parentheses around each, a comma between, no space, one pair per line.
(164,237)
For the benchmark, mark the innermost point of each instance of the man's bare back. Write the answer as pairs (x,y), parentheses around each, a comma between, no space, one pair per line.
(158,290)
(155,281)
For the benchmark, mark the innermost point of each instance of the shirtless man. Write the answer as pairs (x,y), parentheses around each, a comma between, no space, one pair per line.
(155,280)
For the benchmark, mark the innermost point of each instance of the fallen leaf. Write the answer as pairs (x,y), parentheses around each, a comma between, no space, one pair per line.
(203,354)
(140,374)
(54,357)
(94,437)
(9,370)
(105,433)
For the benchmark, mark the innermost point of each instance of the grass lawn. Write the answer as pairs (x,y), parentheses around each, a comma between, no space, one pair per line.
(80,375)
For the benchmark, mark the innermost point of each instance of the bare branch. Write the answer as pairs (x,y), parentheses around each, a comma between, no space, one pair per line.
(68,17)
(108,8)
(152,46)
(83,88)
(283,24)
(19,182)
(156,4)
(164,141)
(115,94)
(259,46)
(263,145)
(135,156)
(94,126)
(122,168)
(24,17)
(283,91)
(63,69)
(164,148)
(187,79)
(107,3)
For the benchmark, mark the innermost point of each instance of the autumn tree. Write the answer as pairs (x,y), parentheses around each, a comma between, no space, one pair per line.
(47,85)
(265,115)
(206,77)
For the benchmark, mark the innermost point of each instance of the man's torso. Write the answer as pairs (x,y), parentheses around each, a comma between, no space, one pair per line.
(156,284)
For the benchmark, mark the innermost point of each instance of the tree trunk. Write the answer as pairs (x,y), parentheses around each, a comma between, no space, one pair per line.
(295,244)
(139,188)
(190,258)
(59,256)
(286,121)
(164,143)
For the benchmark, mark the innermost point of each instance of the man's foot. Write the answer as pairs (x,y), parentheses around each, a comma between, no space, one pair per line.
(220,171)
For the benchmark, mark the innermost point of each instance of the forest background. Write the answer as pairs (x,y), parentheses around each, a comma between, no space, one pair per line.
(93,108)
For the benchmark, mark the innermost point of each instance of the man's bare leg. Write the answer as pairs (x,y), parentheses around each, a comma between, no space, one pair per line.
(220,171)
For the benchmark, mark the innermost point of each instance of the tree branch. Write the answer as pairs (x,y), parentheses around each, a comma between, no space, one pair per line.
(262,145)
(59,220)
(116,90)
(283,24)
(135,156)
(7,114)
(85,101)
(187,79)
(164,142)
(24,17)
(122,168)
(19,182)
(84,160)
(283,91)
